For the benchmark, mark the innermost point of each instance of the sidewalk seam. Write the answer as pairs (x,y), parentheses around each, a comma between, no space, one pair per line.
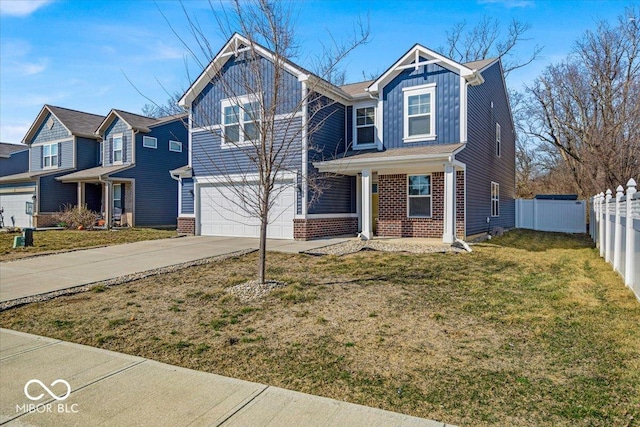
(232,414)
(30,350)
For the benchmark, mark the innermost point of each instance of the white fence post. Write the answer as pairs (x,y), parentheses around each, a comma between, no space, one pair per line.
(629,265)
(617,242)
(601,207)
(607,226)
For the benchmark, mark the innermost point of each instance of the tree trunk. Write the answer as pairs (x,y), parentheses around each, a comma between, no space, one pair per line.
(264,221)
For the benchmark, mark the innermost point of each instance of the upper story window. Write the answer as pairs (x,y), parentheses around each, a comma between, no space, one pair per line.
(495,199)
(100,148)
(365,126)
(50,156)
(240,121)
(498,138)
(419,196)
(149,142)
(419,113)
(175,146)
(117,149)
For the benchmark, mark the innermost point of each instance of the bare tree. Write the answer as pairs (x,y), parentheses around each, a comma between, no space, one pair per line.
(267,119)
(588,106)
(486,40)
(170,107)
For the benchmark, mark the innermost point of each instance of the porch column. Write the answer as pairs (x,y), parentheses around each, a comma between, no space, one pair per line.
(107,204)
(449,234)
(366,204)
(359,201)
(80,195)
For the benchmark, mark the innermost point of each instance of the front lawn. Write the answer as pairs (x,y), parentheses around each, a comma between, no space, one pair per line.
(530,329)
(61,240)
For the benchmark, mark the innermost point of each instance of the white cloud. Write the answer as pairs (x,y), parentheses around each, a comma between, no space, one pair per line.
(13,132)
(510,4)
(14,55)
(21,7)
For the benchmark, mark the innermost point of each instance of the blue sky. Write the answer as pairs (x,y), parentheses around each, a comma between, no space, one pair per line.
(80,54)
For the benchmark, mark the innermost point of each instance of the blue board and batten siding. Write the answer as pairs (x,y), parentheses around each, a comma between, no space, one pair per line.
(234,81)
(156,193)
(483,165)
(447,105)
(327,142)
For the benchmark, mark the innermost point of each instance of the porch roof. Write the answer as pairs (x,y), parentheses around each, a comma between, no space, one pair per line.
(355,161)
(30,176)
(93,174)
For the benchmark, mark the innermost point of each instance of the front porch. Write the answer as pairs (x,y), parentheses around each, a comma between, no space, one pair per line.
(417,192)
(112,197)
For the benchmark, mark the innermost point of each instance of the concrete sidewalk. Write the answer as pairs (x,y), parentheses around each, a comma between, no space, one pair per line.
(113,389)
(38,275)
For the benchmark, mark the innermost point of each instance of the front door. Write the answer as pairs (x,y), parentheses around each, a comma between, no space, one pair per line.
(374,206)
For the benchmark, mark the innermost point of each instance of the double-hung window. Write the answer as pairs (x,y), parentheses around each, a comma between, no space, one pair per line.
(419,196)
(365,126)
(419,113)
(50,155)
(117,196)
(498,139)
(240,121)
(117,149)
(495,199)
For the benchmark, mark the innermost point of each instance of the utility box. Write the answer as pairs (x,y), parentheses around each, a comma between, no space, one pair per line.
(28,236)
(18,242)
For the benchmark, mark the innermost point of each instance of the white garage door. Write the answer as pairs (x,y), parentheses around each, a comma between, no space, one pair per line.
(221,215)
(14,205)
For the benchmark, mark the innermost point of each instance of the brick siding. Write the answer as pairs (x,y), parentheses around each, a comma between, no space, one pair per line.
(187,225)
(393,220)
(306,229)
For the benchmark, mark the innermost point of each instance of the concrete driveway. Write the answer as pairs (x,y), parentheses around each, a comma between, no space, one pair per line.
(39,275)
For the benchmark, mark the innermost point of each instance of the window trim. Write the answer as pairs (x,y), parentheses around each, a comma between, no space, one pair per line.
(498,139)
(121,150)
(495,199)
(430,196)
(414,91)
(52,165)
(176,142)
(240,102)
(145,139)
(368,145)
(100,152)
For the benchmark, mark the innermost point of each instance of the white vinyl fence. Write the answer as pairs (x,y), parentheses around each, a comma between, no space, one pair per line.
(566,216)
(615,227)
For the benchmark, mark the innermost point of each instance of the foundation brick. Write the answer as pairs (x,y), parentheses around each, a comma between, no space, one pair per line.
(187,225)
(393,220)
(306,229)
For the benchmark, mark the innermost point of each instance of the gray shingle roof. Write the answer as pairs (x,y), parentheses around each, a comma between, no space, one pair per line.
(479,65)
(78,122)
(7,149)
(92,174)
(355,89)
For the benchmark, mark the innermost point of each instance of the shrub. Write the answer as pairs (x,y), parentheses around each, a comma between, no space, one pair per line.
(72,217)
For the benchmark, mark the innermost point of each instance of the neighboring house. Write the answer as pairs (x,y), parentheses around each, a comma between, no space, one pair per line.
(425,150)
(59,141)
(129,179)
(14,159)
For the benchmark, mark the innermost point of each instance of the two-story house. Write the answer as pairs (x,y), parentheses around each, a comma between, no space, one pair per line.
(60,140)
(425,150)
(14,159)
(117,163)
(134,156)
